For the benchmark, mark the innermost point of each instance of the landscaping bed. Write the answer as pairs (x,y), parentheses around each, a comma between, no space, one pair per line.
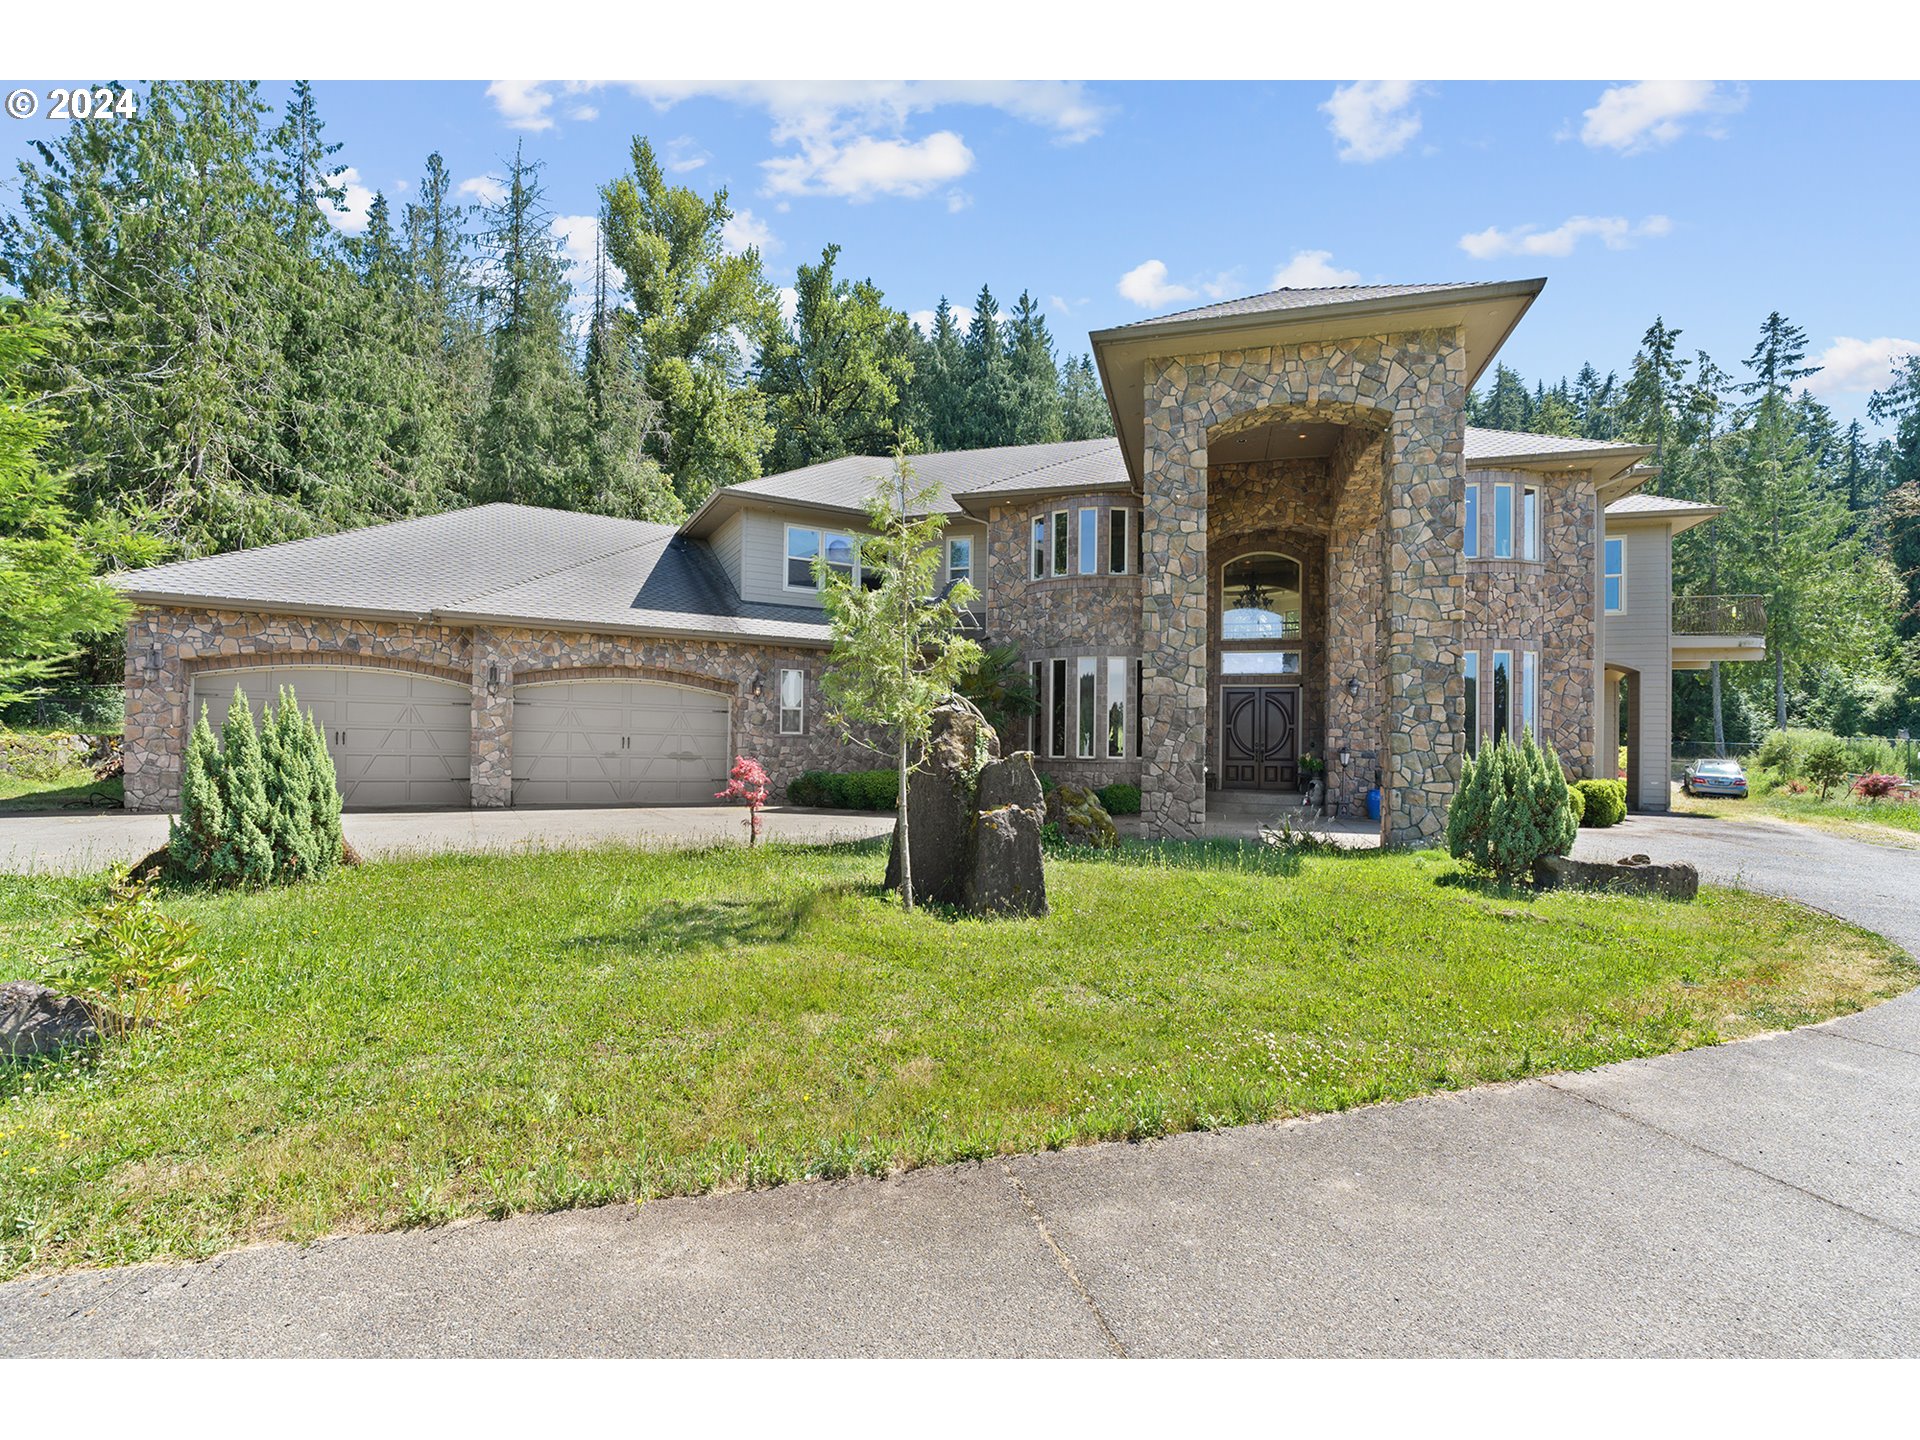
(409,1042)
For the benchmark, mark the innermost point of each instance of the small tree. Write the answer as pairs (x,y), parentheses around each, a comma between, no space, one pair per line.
(747,782)
(1826,764)
(245,854)
(196,834)
(897,647)
(1513,808)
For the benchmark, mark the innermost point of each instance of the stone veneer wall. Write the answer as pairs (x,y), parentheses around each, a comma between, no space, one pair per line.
(167,647)
(1546,605)
(1066,617)
(1413,386)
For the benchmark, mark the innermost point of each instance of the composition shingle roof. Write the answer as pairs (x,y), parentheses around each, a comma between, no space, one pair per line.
(1644,504)
(847,482)
(1300,298)
(1484,444)
(490,562)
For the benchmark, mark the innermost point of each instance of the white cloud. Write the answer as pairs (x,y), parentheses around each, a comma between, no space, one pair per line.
(683,154)
(1858,366)
(487,189)
(1631,118)
(867,166)
(1310,270)
(584,112)
(576,234)
(1146,285)
(1060,304)
(958,200)
(1616,232)
(353,219)
(746,230)
(789,303)
(1372,119)
(1225,284)
(523,104)
(923,320)
(1062,106)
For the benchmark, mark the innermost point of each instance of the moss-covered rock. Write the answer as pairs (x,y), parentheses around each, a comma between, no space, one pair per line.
(1079,818)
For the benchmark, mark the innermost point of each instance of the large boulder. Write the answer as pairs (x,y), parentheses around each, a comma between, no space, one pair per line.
(1004,871)
(1080,818)
(37,1021)
(940,802)
(1633,875)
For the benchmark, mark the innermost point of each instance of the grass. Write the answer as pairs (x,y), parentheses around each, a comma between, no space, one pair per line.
(1840,813)
(31,781)
(414,1041)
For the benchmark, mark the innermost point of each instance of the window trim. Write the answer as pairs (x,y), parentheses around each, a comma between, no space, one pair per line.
(1606,545)
(1119,541)
(1086,708)
(1470,528)
(799,711)
(1503,535)
(1296,635)
(787,557)
(966,540)
(1062,565)
(1117,672)
(1087,558)
(1470,698)
(1529,519)
(1040,547)
(1499,725)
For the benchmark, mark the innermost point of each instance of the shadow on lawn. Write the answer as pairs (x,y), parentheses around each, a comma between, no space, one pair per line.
(683,925)
(86,795)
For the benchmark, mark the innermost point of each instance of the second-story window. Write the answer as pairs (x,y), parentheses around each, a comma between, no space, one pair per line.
(1060,538)
(1470,544)
(1039,547)
(1615,581)
(1503,522)
(1530,523)
(1117,551)
(1089,541)
(805,545)
(959,558)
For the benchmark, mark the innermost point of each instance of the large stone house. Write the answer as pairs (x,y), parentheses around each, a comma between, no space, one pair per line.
(1294,547)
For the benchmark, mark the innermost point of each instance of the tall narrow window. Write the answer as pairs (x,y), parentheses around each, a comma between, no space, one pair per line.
(802,546)
(1060,542)
(1140,689)
(1059,716)
(1089,716)
(1502,692)
(1470,544)
(793,702)
(1117,551)
(959,558)
(1616,578)
(1089,541)
(1529,690)
(1470,675)
(1530,523)
(1039,547)
(1116,701)
(1503,522)
(1036,722)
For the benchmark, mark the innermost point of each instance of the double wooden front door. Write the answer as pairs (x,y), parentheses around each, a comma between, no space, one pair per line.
(1260,732)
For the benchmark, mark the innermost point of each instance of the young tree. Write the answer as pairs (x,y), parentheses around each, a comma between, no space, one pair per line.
(50,596)
(897,647)
(693,299)
(837,377)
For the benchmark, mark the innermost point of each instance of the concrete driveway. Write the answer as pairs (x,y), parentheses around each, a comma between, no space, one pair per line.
(1751,1199)
(88,840)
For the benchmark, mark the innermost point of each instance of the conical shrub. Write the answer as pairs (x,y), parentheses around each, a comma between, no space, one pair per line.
(323,800)
(1512,809)
(245,855)
(202,823)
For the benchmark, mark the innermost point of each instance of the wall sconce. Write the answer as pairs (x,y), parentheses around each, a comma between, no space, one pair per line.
(1353,688)
(493,679)
(153,657)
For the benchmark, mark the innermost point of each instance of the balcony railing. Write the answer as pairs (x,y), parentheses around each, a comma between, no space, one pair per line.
(1719,615)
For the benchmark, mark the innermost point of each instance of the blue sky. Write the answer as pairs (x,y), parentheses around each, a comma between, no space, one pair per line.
(1709,204)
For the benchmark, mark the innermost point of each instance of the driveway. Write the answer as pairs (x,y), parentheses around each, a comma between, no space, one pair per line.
(92,839)
(1751,1199)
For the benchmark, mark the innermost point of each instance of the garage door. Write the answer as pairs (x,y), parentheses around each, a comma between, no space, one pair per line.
(617,742)
(397,740)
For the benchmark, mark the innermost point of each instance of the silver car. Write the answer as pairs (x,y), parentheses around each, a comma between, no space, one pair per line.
(1715,777)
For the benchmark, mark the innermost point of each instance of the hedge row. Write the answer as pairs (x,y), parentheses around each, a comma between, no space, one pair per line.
(1602,802)
(854,790)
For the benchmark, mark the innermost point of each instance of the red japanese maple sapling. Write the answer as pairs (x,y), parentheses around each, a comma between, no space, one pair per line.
(747,783)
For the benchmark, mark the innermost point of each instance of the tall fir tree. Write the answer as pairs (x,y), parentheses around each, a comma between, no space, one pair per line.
(1655,389)
(939,391)
(1083,402)
(987,377)
(1034,374)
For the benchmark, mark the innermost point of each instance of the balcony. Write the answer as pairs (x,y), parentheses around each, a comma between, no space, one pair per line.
(1707,628)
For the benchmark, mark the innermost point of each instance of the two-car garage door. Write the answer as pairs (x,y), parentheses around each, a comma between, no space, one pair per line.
(397,740)
(401,740)
(617,742)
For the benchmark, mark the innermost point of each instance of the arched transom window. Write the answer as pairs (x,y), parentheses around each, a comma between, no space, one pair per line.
(1260,598)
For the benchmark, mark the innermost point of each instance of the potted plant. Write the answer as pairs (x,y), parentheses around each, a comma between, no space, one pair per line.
(1312,767)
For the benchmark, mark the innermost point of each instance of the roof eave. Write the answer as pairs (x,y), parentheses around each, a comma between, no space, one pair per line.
(1308,314)
(178,600)
(604,627)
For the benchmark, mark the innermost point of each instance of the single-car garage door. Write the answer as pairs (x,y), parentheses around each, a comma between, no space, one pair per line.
(617,742)
(397,740)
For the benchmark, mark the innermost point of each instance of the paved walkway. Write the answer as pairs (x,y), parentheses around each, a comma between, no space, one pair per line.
(88,840)
(1751,1199)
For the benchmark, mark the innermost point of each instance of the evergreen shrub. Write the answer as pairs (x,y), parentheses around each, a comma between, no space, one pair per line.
(1513,809)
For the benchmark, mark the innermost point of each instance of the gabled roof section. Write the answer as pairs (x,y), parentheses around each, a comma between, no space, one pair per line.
(502,563)
(842,486)
(1662,507)
(1484,313)
(1609,460)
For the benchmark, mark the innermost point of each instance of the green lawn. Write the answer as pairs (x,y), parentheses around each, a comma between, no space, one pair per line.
(465,1035)
(29,783)
(1843,814)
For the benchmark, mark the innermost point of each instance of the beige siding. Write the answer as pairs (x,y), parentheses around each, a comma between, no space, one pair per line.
(762,548)
(1641,640)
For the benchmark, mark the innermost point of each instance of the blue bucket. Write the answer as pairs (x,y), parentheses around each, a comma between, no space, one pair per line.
(1373,803)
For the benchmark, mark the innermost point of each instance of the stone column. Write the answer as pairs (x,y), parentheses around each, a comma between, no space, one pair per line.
(154,740)
(1356,702)
(491,756)
(1426,468)
(1173,610)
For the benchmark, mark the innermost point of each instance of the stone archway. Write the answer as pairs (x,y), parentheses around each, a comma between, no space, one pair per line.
(1393,559)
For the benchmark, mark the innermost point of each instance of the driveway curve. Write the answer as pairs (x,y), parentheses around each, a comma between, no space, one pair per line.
(1761,1198)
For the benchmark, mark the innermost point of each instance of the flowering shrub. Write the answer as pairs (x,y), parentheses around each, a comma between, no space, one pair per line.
(1877,787)
(747,783)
